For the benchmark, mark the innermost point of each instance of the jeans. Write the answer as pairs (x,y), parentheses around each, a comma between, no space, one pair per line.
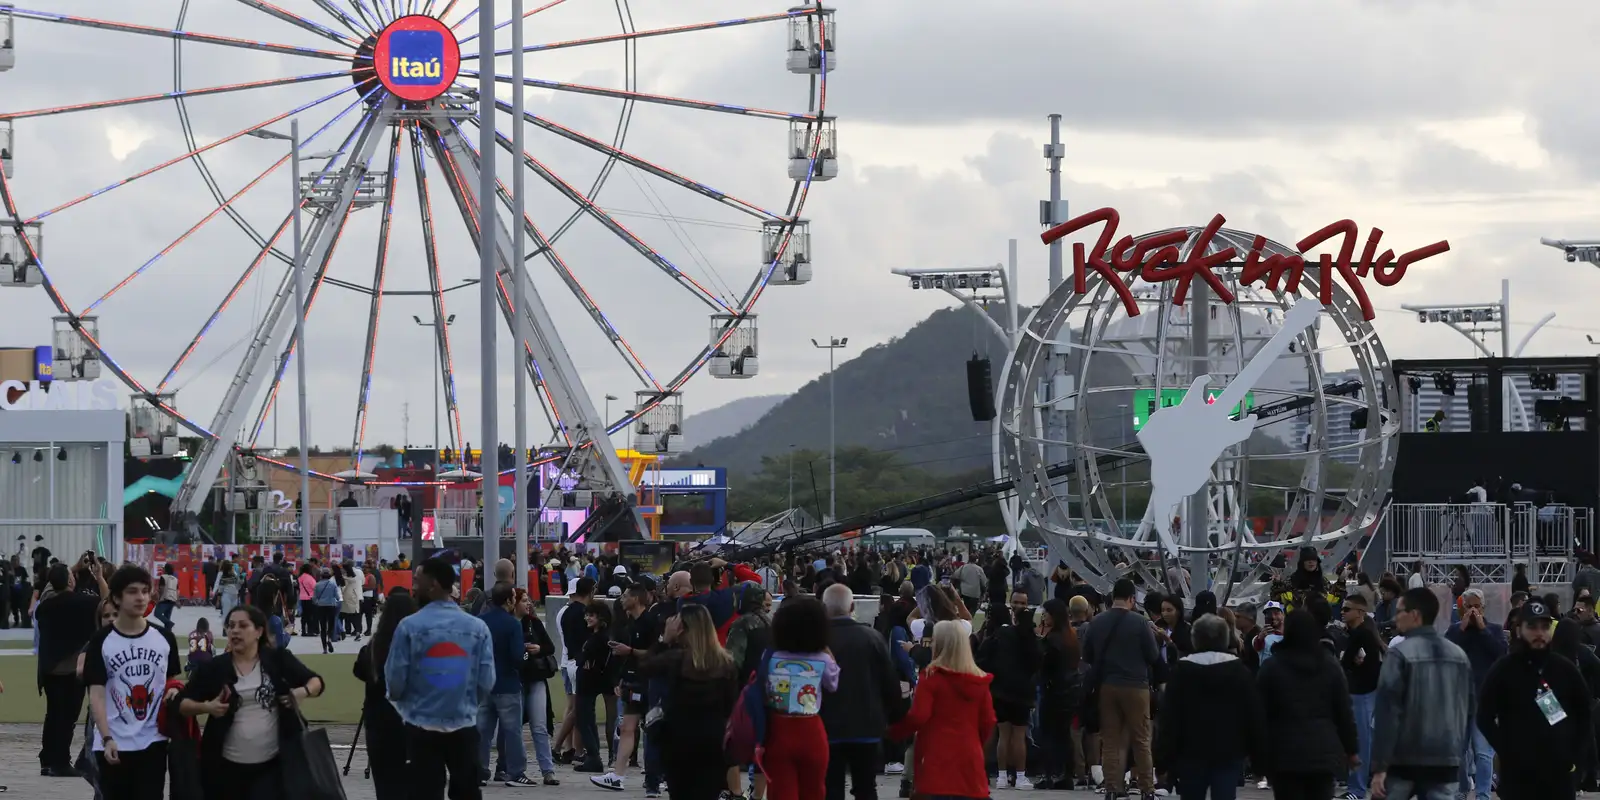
(1479,751)
(535,702)
(229,598)
(1221,780)
(653,768)
(505,711)
(1405,789)
(1362,705)
(163,613)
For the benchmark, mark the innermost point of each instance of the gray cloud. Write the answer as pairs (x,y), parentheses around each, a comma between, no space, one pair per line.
(1441,166)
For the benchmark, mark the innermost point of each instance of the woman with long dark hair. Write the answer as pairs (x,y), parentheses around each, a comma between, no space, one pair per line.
(538,667)
(250,698)
(703,681)
(386,736)
(1060,693)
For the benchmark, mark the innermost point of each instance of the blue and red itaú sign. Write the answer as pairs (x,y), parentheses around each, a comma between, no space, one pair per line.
(417,58)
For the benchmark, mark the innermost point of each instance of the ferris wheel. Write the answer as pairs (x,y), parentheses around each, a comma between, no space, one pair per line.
(383,96)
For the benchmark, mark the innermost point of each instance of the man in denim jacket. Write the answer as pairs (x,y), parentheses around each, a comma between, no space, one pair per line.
(1425,703)
(440,670)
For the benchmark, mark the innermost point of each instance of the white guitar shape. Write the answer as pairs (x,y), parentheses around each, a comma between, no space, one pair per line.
(1185,440)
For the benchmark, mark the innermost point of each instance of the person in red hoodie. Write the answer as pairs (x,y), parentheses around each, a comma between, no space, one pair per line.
(952,701)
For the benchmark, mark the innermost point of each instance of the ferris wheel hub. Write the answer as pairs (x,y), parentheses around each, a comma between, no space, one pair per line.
(417,58)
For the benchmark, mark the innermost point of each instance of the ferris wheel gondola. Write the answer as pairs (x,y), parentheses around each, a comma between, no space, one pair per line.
(394,130)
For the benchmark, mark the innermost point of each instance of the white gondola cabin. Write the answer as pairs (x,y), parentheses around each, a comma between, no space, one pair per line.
(660,428)
(794,259)
(8,142)
(806,139)
(734,353)
(811,40)
(152,433)
(18,265)
(8,32)
(75,359)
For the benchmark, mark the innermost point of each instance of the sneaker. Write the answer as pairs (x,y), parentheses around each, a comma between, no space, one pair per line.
(592,766)
(652,791)
(610,780)
(894,769)
(1000,784)
(563,757)
(1348,796)
(1021,782)
(520,781)
(550,779)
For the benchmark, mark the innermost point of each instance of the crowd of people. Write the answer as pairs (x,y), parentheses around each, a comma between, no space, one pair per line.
(978,675)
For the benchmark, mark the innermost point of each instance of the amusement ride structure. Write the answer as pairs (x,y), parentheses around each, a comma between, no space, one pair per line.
(392,105)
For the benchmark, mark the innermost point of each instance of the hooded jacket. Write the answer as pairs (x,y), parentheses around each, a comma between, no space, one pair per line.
(1311,581)
(1309,723)
(1211,713)
(949,708)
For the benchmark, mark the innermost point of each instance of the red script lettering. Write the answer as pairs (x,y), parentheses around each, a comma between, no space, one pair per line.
(1155,259)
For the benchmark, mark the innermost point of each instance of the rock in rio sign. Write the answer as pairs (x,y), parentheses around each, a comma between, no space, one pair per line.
(1155,259)
(417,58)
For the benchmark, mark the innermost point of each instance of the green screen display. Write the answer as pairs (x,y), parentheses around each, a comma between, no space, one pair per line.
(1144,402)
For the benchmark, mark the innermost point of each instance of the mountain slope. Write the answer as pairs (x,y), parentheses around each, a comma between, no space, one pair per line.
(907,396)
(727,419)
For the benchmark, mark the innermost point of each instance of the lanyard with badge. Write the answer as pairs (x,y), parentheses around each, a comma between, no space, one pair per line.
(1546,700)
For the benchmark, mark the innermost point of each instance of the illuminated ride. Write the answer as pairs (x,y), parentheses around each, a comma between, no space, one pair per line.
(391,98)
(1073,489)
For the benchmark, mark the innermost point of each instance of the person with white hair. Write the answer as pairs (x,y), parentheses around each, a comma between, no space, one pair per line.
(867,701)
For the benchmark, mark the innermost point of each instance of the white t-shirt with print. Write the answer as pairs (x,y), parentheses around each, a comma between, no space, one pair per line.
(134,670)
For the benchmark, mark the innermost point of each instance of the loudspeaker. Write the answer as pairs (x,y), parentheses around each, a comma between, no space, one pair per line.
(980,389)
(1478,407)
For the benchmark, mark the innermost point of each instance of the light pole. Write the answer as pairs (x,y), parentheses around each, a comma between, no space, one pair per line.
(299,322)
(1122,417)
(488,269)
(436,325)
(519,369)
(834,343)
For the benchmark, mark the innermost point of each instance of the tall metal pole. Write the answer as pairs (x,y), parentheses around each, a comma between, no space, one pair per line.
(833,453)
(1122,416)
(519,370)
(1199,513)
(1053,152)
(488,307)
(1054,212)
(300,345)
(437,390)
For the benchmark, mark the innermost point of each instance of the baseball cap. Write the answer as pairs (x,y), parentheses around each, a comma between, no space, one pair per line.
(619,570)
(1535,609)
(1272,605)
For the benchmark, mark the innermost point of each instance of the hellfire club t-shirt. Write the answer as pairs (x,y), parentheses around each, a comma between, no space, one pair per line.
(134,670)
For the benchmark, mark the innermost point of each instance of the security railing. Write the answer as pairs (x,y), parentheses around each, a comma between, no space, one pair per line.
(1488,538)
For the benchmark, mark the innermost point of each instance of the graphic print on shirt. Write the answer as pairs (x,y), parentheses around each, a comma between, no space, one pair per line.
(446,666)
(134,671)
(794,686)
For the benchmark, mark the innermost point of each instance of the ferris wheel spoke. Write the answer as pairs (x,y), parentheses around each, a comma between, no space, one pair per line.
(646,34)
(261,256)
(610,223)
(654,169)
(186,36)
(351,24)
(661,99)
(186,156)
(466,205)
(184,94)
(185,236)
(371,17)
(465,18)
(549,5)
(430,251)
(376,311)
(618,343)
(300,22)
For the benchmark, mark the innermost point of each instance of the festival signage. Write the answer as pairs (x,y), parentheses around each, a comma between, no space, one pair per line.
(417,58)
(1155,260)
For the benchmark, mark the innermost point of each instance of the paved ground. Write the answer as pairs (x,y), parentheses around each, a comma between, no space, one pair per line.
(19,747)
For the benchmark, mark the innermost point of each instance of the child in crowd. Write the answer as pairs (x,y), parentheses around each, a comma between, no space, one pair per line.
(201,646)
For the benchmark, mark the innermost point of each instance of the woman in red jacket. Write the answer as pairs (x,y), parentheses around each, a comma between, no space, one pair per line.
(952,701)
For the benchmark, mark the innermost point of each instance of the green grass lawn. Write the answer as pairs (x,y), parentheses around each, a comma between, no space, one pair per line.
(340,703)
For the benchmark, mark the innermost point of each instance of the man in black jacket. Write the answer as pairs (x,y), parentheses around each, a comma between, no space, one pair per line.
(1535,712)
(867,701)
(66,622)
(1362,660)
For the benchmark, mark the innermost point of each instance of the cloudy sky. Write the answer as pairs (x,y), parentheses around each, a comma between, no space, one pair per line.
(1430,120)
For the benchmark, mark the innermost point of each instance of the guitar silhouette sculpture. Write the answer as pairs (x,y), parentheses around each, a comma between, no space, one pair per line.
(1184,441)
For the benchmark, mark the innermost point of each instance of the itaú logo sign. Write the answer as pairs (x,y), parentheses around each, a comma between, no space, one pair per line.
(417,58)
(59,396)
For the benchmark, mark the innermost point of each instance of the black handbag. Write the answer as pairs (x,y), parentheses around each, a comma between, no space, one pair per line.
(310,772)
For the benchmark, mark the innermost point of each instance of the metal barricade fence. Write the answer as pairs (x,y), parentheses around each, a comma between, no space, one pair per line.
(1489,539)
